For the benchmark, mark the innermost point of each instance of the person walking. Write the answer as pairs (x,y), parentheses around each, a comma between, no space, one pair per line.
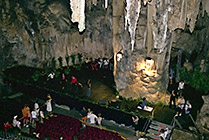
(88,91)
(49,105)
(172,99)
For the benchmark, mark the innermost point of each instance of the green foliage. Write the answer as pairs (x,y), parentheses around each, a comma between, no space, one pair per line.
(77,67)
(79,57)
(60,61)
(53,63)
(196,79)
(67,58)
(47,71)
(67,71)
(57,74)
(73,58)
(36,75)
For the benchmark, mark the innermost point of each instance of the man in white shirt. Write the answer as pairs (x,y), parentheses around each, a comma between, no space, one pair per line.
(92,117)
(181,87)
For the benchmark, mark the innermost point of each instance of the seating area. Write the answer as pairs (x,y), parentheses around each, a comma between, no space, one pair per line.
(93,133)
(66,127)
(59,126)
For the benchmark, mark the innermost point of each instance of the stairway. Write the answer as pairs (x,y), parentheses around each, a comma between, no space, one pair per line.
(153,130)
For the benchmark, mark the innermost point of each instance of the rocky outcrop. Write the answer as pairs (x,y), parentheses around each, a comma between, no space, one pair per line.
(36,31)
(154,37)
(33,32)
(203,116)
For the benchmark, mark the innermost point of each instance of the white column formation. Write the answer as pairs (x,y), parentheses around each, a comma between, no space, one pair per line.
(132,15)
(161,27)
(78,15)
(106,3)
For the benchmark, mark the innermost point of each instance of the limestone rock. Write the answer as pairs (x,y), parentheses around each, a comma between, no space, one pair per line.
(203,116)
(182,135)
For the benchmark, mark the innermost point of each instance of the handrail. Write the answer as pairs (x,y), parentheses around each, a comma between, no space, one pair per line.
(8,135)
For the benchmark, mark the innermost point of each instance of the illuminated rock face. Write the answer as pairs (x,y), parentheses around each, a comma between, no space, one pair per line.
(153,31)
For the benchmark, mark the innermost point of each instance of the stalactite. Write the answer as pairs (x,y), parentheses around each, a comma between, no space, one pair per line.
(205,6)
(132,14)
(161,28)
(106,3)
(78,15)
(94,2)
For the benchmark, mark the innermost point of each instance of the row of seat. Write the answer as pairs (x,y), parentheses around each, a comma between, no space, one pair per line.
(59,126)
(93,133)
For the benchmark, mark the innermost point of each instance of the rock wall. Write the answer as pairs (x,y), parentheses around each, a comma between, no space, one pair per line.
(154,36)
(203,116)
(33,32)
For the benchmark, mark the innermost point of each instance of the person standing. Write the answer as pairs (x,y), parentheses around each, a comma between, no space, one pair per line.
(181,87)
(172,99)
(83,114)
(73,83)
(135,120)
(26,115)
(88,91)
(92,118)
(34,117)
(36,107)
(49,105)
(99,120)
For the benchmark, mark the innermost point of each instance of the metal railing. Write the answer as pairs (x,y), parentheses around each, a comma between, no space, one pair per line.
(13,136)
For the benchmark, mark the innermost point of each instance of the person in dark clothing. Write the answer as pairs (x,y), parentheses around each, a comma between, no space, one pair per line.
(88,91)
(172,99)
(83,114)
(143,103)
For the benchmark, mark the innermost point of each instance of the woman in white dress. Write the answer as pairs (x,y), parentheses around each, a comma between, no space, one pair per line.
(49,105)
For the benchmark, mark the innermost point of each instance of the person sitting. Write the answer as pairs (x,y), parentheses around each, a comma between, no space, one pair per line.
(188,107)
(143,103)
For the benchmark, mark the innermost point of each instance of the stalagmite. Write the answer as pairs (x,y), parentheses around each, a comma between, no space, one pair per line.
(78,15)
(132,15)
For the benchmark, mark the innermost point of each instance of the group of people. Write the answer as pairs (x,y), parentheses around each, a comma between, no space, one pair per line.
(177,98)
(31,116)
(95,64)
(87,115)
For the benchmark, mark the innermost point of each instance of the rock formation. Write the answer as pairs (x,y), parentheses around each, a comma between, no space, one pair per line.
(33,32)
(156,31)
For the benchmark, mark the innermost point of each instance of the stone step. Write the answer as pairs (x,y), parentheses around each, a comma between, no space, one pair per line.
(152,136)
(154,132)
(163,125)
